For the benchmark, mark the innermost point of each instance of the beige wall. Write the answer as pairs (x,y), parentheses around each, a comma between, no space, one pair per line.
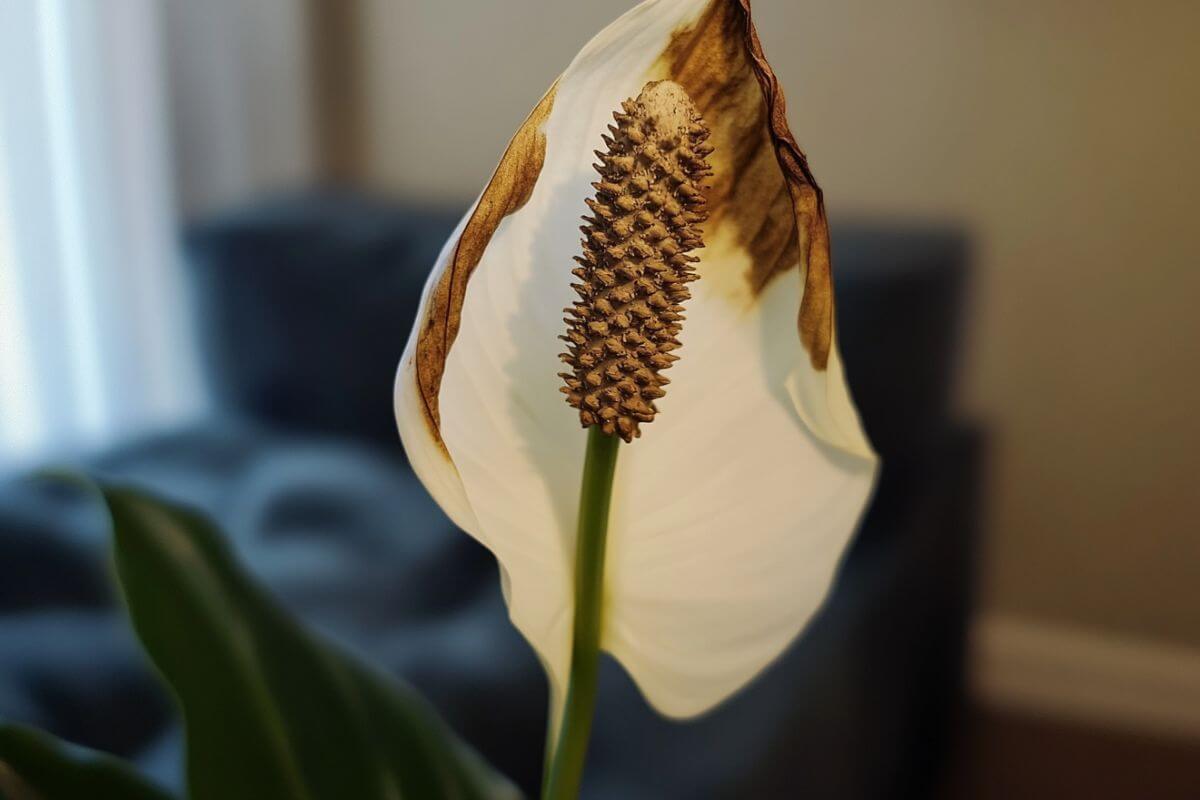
(1063,134)
(240,109)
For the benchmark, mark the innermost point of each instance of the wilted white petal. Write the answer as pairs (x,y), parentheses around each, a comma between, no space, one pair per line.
(732,512)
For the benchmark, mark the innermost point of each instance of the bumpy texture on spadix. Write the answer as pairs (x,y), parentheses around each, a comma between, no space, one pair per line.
(635,266)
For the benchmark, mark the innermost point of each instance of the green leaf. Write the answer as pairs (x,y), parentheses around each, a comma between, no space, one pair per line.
(270,712)
(36,766)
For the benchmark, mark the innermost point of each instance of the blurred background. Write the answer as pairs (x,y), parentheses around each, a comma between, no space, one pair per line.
(215,219)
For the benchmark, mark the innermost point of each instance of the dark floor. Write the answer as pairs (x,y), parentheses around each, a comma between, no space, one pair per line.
(1023,758)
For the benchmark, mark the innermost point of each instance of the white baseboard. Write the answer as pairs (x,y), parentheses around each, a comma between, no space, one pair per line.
(1081,675)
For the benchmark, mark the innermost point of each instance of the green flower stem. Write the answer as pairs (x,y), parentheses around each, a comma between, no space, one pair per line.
(567,756)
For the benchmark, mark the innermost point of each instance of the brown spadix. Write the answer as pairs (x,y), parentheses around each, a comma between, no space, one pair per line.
(645,220)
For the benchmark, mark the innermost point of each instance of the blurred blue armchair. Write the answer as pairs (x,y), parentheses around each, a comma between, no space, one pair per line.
(305,303)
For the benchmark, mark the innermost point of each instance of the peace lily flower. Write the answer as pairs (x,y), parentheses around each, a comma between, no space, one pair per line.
(730,512)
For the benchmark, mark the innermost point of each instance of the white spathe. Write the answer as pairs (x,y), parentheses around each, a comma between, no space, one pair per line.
(730,514)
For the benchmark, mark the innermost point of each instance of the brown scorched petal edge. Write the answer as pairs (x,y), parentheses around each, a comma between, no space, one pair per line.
(636,260)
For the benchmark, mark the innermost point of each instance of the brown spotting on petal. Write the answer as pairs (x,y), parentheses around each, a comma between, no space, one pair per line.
(509,189)
(762,185)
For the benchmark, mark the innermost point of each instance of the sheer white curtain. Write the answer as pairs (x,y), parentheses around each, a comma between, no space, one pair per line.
(94,340)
